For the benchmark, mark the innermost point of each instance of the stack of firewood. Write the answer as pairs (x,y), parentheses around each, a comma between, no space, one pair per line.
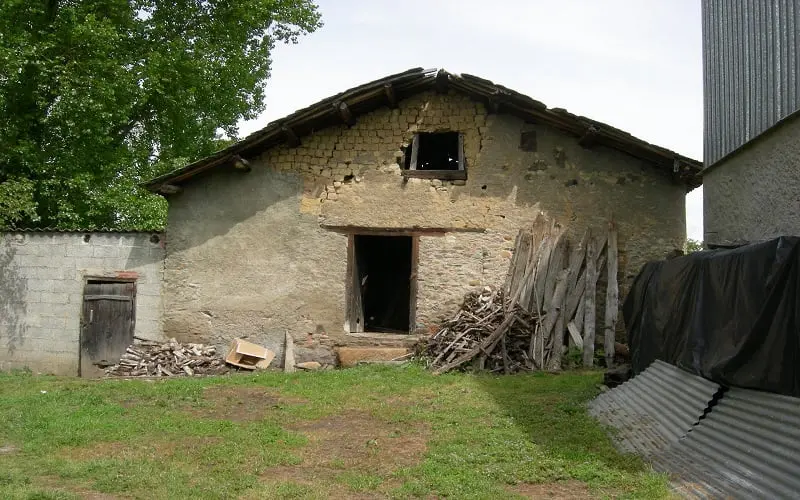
(548,303)
(486,332)
(147,358)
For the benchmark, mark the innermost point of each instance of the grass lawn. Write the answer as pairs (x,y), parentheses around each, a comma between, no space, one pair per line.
(369,432)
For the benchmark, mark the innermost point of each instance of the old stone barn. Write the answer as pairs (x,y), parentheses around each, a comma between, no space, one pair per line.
(367,216)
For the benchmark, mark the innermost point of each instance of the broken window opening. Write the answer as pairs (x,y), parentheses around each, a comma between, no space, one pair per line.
(436,155)
(382,283)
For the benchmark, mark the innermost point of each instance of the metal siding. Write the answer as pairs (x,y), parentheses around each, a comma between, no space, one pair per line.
(655,409)
(745,448)
(751,62)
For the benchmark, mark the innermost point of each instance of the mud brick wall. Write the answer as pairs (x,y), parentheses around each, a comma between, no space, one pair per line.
(253,254)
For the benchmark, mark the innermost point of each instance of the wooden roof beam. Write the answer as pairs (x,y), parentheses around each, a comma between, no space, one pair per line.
(169,189)
(442,82)
(589,138)
(240,163)
(388,91)
(345,114)
(291,138)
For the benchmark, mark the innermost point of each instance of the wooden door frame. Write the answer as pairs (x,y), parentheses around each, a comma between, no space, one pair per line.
(350,279)
(105,279)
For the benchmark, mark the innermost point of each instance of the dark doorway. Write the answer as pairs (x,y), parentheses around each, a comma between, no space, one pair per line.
(382,281)
(107,323)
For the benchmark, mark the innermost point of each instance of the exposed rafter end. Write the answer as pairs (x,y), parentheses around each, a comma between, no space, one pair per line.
(291,138)
(240,163)
(442,81)
(345,114)
(169,189)
(388,91)
(589,138)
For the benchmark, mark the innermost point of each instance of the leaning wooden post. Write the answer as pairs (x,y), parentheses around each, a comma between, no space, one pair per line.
(589,296)
(612,296)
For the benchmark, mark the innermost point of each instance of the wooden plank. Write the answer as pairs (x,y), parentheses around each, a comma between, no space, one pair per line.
(107,297)
(612,296)
(355,308)
(575,335)
(391,97)
(589,298)
(412,308)
(414,152)
(576,258)
(556,265)
(462,159)
(577,321)
(551,318)
(445,175)
(344,112)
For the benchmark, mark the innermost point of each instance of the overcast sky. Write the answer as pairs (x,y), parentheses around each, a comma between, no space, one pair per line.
(634,64)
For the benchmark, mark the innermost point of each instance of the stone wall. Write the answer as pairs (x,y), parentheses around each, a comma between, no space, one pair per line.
(258,253)
(42,276)
(754,194)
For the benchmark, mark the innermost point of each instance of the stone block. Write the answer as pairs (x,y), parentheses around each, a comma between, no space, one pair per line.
(105,251)
(350,356)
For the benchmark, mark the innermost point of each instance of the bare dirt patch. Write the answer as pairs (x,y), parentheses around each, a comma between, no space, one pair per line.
(559,490)
(153,450)
(352,441)
(240,404)
(59,484)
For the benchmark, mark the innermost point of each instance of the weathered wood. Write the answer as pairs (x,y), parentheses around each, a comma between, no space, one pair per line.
(414,152)
(291,138)
(462,158)
(575,335)
(495,335)
(169,189)
(551,318)
(589,138)
(391,98)
(445,175)
(577,321)
(413,285)
(288,353)
(555,266)
(107,324)
(355,308)
(442,81)
(612,296)
(343,110)
(576,258)
(240,163)
(589,298)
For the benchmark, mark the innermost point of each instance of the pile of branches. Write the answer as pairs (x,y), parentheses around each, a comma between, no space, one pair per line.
(490,331)
(147,358)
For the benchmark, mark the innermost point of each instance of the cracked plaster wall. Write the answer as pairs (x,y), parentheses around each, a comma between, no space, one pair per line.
(246,255)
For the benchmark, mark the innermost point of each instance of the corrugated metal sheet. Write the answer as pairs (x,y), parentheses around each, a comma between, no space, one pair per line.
(751,61)
(747,447)
(654,409)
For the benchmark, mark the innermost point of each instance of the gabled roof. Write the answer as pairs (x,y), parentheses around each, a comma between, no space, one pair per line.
(392,89)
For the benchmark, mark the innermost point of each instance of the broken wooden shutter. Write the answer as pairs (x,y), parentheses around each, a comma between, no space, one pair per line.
(412,309)
(462,165)
(414,152)
(355,308)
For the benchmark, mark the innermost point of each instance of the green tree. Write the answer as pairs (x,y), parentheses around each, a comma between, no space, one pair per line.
(693,245)
(97,96)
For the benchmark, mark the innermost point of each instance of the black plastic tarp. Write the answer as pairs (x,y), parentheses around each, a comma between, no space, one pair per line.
(732,316)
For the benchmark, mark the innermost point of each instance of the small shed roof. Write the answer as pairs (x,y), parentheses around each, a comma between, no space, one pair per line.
(389,90)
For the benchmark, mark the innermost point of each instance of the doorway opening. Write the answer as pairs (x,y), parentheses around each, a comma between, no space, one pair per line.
(107,324)
(382,283)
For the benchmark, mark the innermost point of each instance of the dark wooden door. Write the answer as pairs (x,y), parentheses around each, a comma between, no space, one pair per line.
(107,324)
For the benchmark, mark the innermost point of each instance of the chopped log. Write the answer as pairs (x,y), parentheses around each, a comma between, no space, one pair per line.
(612,296)
(589,299)
(167,359)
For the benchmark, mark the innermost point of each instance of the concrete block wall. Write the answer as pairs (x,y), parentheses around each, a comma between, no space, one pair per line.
(262,252)
(42,276)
